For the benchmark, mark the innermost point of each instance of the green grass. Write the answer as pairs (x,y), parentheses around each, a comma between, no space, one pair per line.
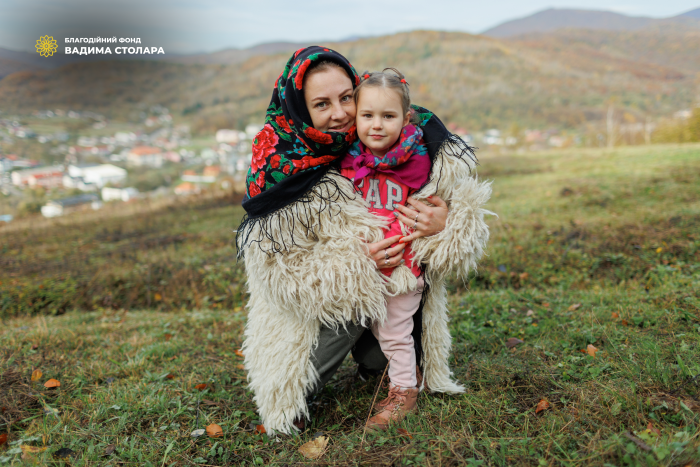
(590,247)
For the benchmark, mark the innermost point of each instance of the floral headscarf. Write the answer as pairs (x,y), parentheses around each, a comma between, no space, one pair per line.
(288,144)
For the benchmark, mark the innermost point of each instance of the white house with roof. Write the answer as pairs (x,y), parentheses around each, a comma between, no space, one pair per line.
(119,194)
(88,177)
(148,156)
(48,177)
(55,208)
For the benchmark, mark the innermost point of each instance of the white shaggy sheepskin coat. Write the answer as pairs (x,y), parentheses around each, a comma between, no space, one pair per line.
(328,278)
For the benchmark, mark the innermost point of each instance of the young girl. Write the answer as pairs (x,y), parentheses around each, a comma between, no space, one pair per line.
(388,164)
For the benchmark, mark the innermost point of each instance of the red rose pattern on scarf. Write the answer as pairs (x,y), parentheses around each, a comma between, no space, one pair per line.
(263,146)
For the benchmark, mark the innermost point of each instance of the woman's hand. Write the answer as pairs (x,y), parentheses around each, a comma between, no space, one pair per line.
(384,256)
(424,220)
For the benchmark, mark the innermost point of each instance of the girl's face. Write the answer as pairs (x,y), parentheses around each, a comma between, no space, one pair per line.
(380,119)
(328,96)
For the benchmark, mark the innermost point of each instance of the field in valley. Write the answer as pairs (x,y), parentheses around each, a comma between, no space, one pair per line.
(594,264)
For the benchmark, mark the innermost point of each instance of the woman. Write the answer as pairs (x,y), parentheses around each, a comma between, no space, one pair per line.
(312,249)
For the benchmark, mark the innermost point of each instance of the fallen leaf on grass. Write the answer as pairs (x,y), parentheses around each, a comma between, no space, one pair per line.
(52,383)
(574,307)
(170,376)
(109,449)
(545,305)
(651,428)
(260,429)
(529,313)
(50,411)
(3,439)
(37,374)
(215,431)
(512,342)
(168,336)
(197,433)
(403,432)
(624,321)
(240,367)
(591,350)
(64,453)
(35,347)
(315,448)
(542,405)
(200,387)
(239,353)
(614,315)
(32,449)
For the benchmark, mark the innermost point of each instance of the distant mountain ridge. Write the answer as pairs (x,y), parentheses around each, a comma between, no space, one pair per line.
(554,19)
(561,79)
(692,13)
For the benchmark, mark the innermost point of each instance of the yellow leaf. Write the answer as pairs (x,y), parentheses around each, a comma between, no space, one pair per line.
(591,350)
(659,250)
(37,374)
(32,449)
(575,306)
(158,297)
(315,448)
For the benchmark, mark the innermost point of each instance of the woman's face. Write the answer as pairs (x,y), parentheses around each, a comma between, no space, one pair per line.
(328,96)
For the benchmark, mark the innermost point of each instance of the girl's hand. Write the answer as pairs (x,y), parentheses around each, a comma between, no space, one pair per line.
(431,219)
(384,256)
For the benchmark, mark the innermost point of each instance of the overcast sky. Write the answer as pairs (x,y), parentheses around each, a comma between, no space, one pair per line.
(188,26)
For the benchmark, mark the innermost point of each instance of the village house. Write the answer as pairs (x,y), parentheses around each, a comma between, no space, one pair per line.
(47,177)
(186,188)
(209,175)
(93,175)
(119,194)
(148,156)
(75,203)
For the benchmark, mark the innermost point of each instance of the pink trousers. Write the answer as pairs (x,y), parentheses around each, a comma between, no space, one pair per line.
(394,336)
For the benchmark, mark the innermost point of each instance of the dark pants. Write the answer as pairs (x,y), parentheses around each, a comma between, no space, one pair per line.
(334,346)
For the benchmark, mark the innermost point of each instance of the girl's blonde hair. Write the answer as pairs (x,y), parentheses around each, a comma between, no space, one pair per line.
(381,79)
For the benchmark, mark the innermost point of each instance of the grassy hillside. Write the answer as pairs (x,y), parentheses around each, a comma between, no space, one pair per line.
(590,248)
(473,81)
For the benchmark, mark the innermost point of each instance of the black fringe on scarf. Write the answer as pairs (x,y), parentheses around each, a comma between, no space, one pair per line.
(297,208)
(453,146)
(325,195)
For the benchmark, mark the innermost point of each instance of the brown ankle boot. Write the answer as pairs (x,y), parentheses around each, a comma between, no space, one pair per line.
(384,402)
(397,405)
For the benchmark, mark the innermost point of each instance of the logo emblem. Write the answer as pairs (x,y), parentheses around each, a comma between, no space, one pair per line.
(46,46)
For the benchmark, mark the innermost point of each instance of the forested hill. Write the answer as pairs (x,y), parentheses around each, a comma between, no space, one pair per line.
(564,78)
